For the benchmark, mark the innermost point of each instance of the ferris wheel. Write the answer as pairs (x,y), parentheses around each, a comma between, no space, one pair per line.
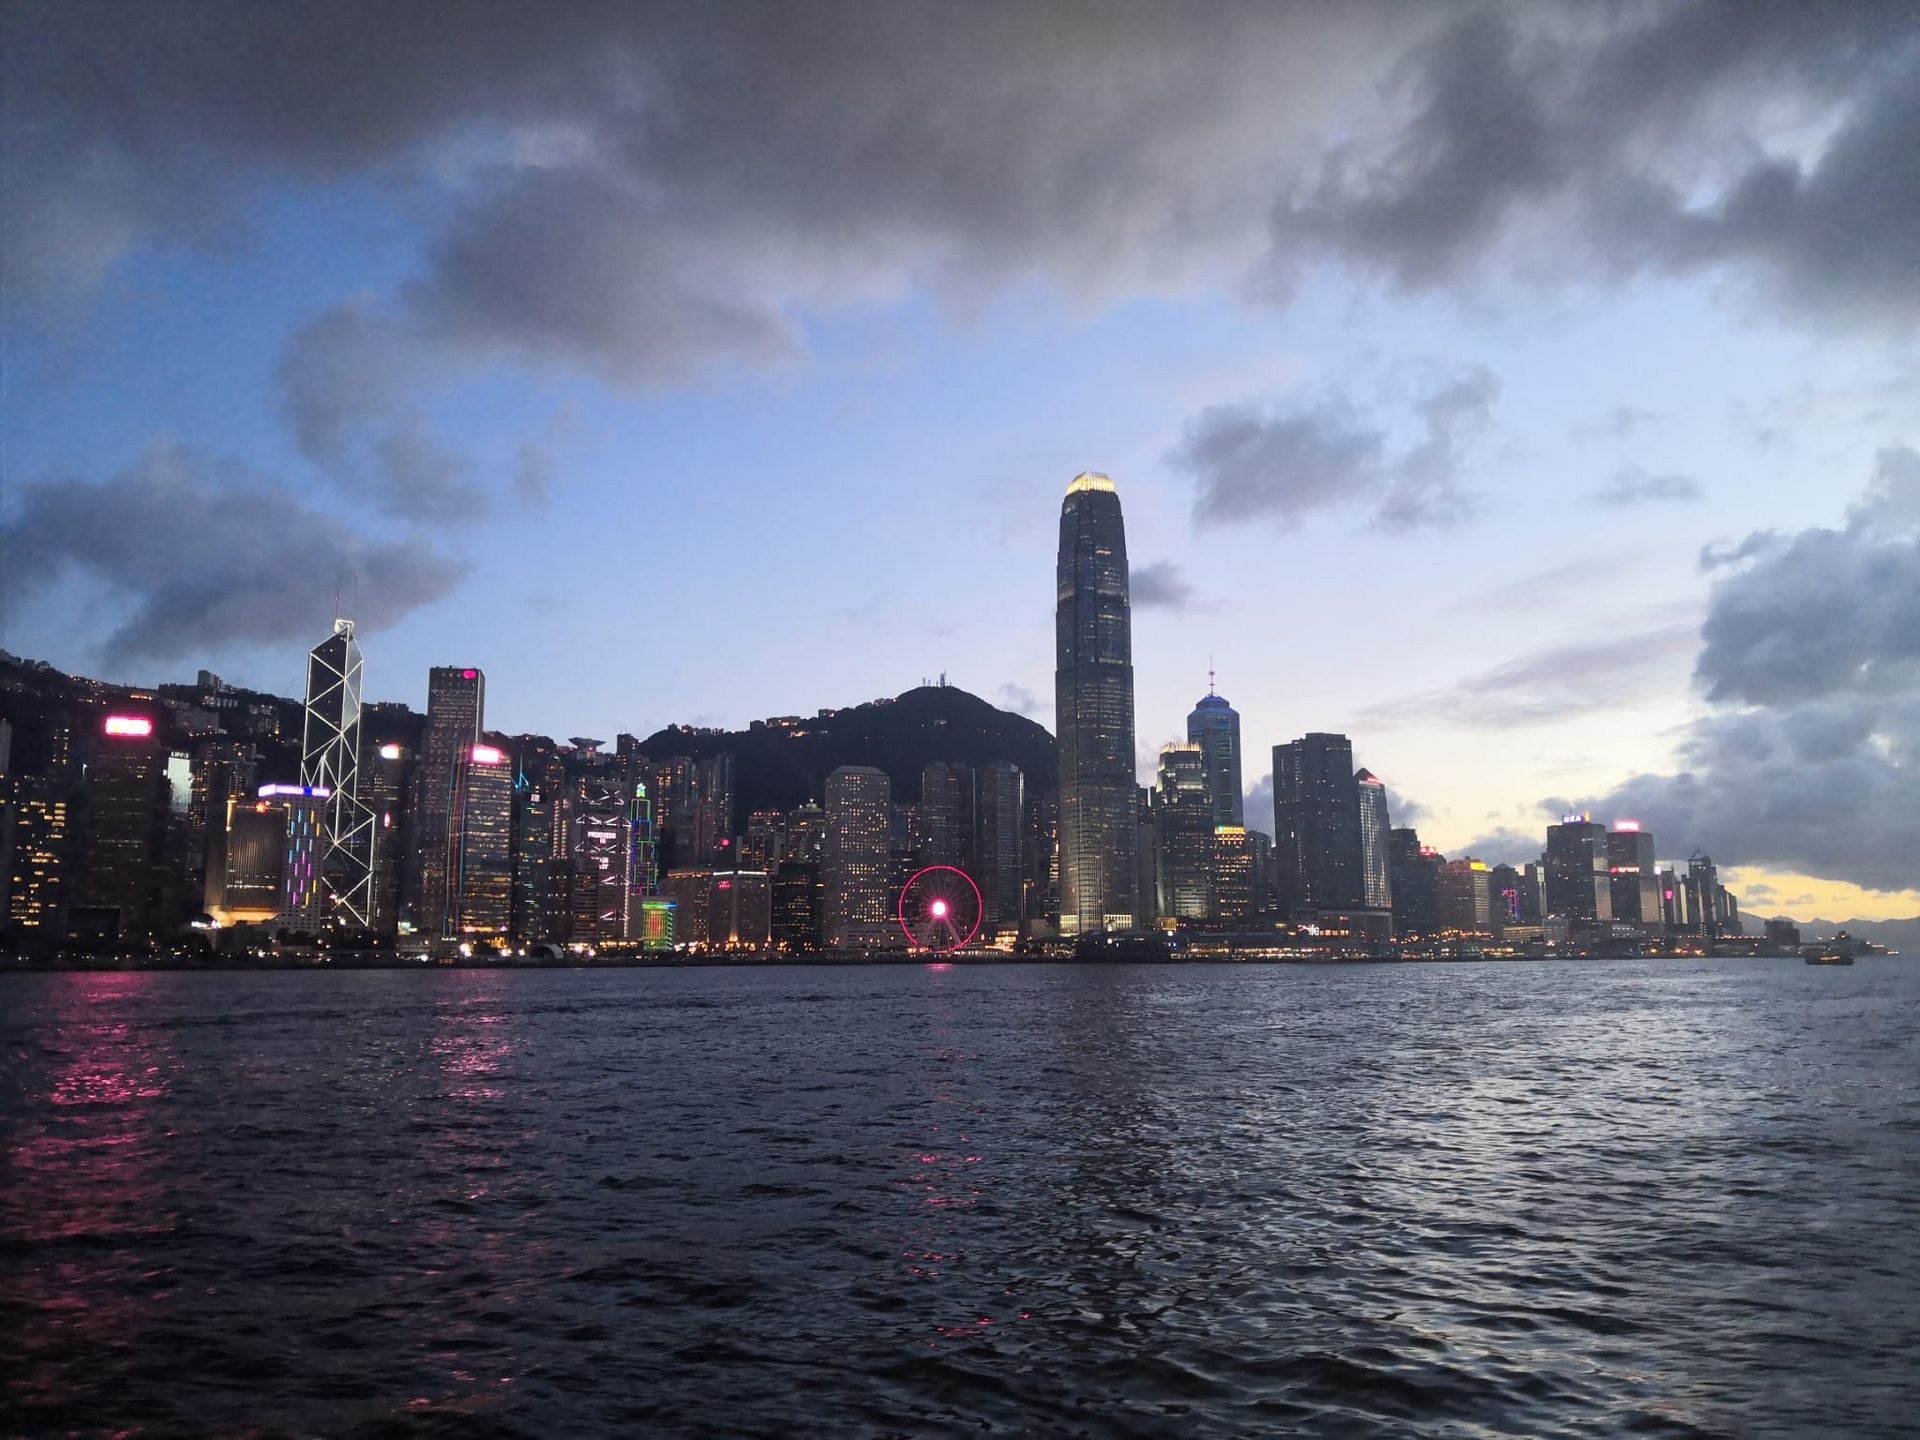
(940,909)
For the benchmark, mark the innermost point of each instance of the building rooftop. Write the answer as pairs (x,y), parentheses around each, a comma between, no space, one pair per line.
(1090,480)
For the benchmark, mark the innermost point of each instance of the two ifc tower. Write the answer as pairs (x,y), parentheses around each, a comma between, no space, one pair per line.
(1093,710)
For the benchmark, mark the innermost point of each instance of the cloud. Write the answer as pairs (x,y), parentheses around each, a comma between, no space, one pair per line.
(1259,804)
(1620,423)
(1403,811)
(1825,611)
(1291,462)
(1811,652)
(640,190)
(1546,685)
(1634,486)
(1506,846)
(1160,586)
(1677,139)
(206,554)
(347,382)
(1018,698)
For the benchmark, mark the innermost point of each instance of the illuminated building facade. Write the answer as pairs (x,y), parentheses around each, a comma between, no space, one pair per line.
(1633,878)
(1465,895)
(687,889)
(1376,861)
(302,811)
(246,880)
(541,842)
(125,802)
(37,864)
(1316,819)
(1234,871)
(658,924)
(1214,726)
(330,761)
(857,859)
(1183,818)
(1093,712)
(806,835)
(223,770)
(456,710)
(1577,886)
(606,876)
(483,881)
(386,771)
(739,910)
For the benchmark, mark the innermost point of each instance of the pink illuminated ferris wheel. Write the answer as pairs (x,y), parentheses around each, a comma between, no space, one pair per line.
(940,909)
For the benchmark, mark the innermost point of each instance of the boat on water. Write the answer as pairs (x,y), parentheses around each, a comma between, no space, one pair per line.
(1837,951)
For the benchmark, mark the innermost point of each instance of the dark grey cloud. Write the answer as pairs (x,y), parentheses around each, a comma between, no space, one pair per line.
(1717,557)
(1259,804)
(1811,650)
(347,383)
(641,188)
(1402,810)
(1825,611)
(1664,138)
(1160,585)
(1634,486)
(1506,846)
(1551,684)
(1288,463)
(205,555)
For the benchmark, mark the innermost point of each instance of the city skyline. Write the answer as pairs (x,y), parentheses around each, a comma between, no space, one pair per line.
(1402,390)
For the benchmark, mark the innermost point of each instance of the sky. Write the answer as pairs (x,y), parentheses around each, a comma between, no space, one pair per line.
(1531,393)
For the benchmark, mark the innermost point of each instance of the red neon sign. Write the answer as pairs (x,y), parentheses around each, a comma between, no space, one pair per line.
(129,725)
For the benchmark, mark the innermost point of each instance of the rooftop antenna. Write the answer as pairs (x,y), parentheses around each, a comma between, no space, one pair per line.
(1209,674)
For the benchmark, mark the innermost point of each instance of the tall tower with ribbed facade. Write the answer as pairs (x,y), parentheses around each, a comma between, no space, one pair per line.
(1093,713)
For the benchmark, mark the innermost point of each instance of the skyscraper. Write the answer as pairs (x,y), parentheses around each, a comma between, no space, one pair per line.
(1415,881)
(1316,822)
(330,760)
(456,709)
(1577,884)
(1093,712)
(1466,896)
(1000,830)
(385,771)
(1633,879)
(1214,726)
(1235,862)
(606,881)
(947,805)
(119,840)
(1183,813)
(482,884)
(1376,863)
(857,863)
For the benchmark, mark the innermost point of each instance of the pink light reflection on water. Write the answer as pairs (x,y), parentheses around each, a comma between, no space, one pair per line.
(92,1169)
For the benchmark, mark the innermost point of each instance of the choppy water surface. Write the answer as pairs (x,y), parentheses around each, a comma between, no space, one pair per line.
(1613,1198)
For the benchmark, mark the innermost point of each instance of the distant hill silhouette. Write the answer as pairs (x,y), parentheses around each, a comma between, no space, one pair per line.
(778,765)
